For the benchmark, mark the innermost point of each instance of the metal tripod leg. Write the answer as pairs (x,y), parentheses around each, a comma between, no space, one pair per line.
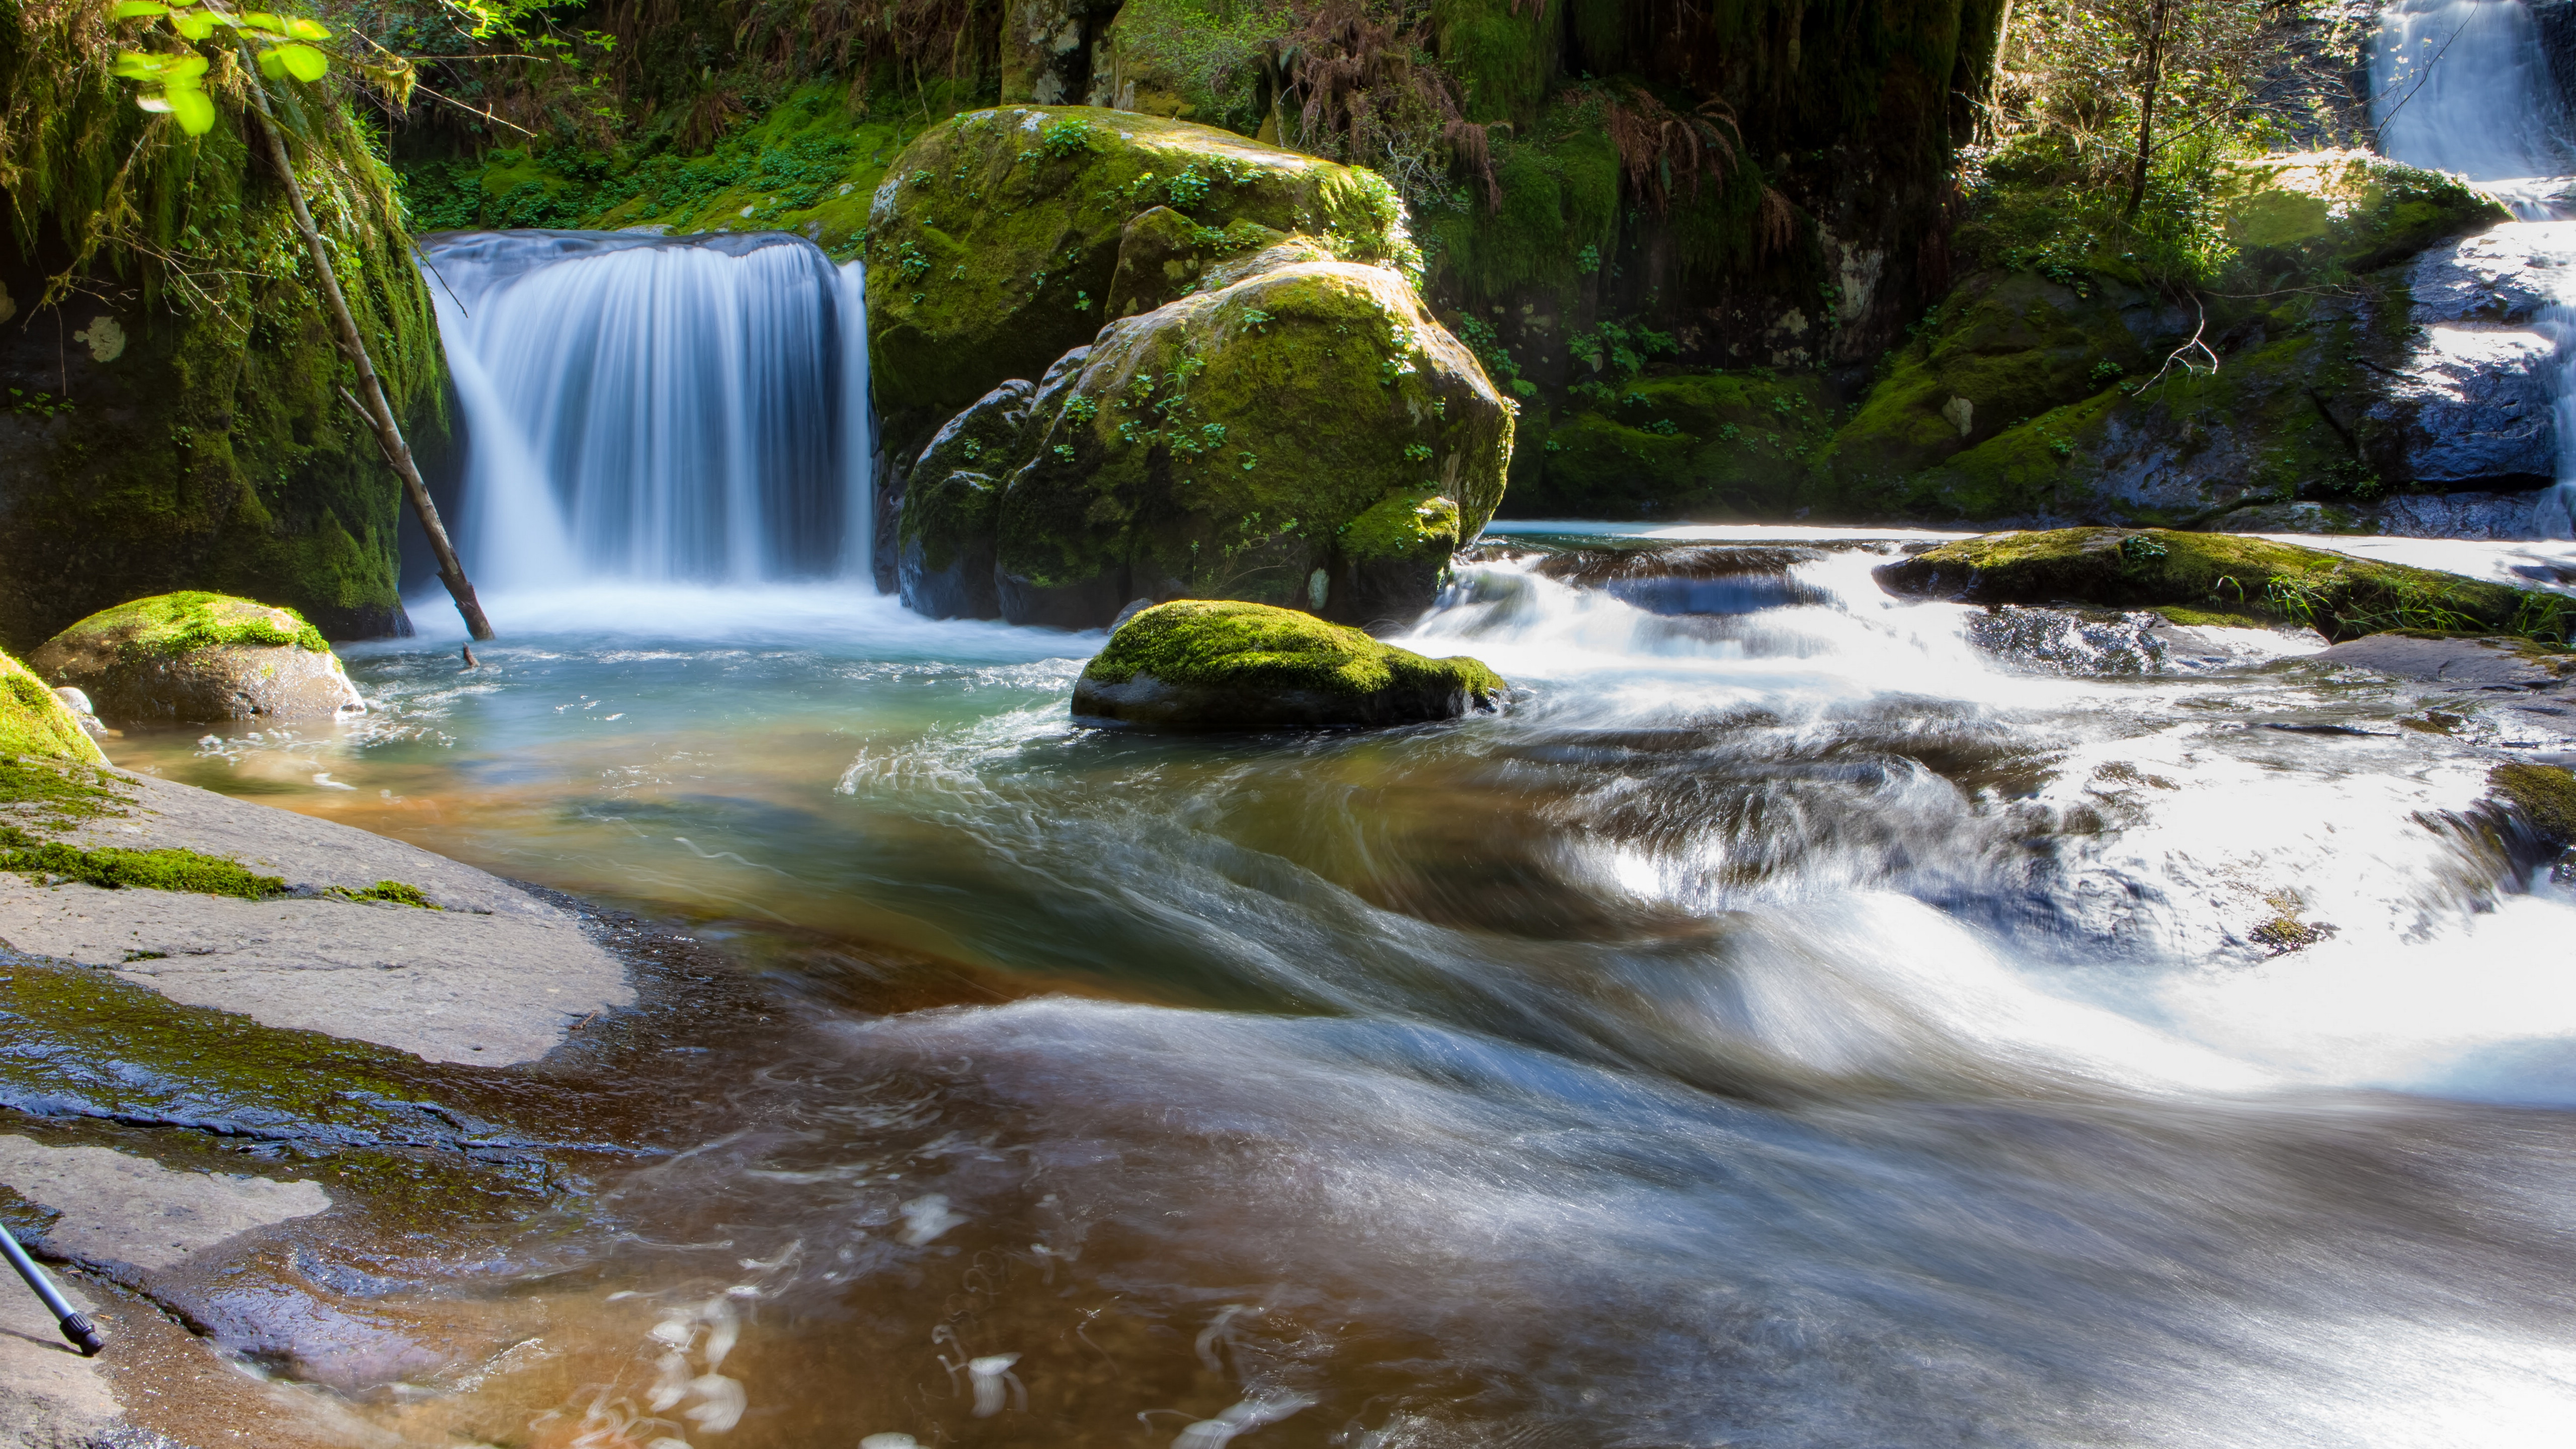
(76,1327)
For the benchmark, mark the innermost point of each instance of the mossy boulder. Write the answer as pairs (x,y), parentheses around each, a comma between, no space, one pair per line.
(2339,596)
(2543,797)
(1306,436)
(1208,664)
(35,721)
(194,658)
(2314,214)
(995,238)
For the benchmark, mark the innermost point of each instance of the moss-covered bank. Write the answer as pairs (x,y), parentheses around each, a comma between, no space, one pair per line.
(35,722)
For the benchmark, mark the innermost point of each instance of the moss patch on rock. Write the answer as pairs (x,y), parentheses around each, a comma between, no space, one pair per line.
(2543,797)
(33,721)
(111,868)
(2329,214)
(1228,446)
(2339,596)
(167,625)
(994,240)
(195,657)
(1688,445)
(1230,665)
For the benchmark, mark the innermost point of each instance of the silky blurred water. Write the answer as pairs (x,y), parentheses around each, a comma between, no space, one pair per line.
(1799,1026)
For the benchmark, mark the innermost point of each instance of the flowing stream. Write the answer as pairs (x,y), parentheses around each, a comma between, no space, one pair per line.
(1803,1018)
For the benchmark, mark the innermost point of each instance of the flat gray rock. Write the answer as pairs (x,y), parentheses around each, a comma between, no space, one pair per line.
(2455,663)
(50,1396)
(496,978)
(118,1208)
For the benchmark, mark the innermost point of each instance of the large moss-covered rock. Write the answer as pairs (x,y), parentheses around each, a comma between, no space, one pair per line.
(194,658)
(1198,664)
(35,721)
(2340,596)
(173,419)
(1305,435)
(995,239)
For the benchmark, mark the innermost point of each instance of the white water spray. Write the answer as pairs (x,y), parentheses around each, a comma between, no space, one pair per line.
(656,410)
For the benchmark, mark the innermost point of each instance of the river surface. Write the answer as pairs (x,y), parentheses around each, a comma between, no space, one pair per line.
(1802,1018)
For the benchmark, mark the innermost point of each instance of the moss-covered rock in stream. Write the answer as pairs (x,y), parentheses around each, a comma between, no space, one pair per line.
(1197,664)
(194,658)
(2542,797)
(1305,436)
(2340,596)
(170,408)
(2322,215)
(994,243)
(35,721)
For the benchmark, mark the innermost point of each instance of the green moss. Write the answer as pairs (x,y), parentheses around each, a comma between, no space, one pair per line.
(2330,214)
(1555,227)
(1223,446)
(1245,645)
(34,722)
(112,868)
(2543,796)
(393,893)
(1503,53)
(54,794)
(1195,60)
(1413,524)
(85,1044)
(2339,596)
(2213,618)
(986,241)
(1685,445)
(167,626)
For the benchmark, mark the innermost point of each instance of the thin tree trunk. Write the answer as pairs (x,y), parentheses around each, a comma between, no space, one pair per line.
(371,392)
(2147,107)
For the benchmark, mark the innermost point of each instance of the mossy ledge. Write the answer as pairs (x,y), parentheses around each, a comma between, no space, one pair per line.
(111,868)
(1223,664)
(2339,596)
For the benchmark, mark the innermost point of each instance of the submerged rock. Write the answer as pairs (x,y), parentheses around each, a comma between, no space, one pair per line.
(1300,434)
(2339,596)
(35,720)
(1210,664)
(190,658)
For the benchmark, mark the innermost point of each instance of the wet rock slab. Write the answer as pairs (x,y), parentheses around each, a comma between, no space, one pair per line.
(494,977)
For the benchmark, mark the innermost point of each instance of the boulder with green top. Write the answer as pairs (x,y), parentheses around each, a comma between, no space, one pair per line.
(34,720)
(196,658)
(1222,664)
(994,241)
(1305,436)
(2338,595)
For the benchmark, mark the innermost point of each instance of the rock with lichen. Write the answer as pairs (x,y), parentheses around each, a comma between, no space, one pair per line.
(194,658)
(2205,574)
(1206,664)
(1298,433)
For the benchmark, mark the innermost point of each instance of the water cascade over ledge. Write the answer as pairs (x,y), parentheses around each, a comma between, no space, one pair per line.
(656,410)
(2462,86)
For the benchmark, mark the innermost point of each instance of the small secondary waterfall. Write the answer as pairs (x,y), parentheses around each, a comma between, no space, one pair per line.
(2462,86)
(651,410)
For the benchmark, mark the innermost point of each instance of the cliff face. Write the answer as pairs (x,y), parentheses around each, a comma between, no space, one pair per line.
(172,415)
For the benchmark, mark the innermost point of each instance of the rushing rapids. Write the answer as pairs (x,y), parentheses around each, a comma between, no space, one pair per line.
(646,410)
(1804,1017)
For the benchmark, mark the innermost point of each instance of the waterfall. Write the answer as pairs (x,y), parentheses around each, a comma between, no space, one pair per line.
(2461,86)
(656,410)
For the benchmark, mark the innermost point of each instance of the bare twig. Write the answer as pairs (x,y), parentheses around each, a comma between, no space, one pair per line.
(2183,353)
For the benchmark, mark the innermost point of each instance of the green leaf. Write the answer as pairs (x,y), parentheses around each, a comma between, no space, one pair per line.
(302,61)
(134,65)
(128,9)
(193,111)
(303,29)
(197,26)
